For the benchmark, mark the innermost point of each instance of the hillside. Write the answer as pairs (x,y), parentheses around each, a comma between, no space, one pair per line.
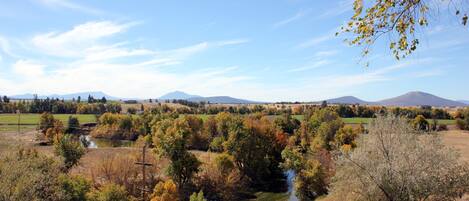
(83,95)
(417,98)
(348,100)
(221,100)
(179,95)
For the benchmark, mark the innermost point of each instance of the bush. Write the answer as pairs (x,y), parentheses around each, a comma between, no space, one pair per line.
(394,162)
(118,127)
(70,149)
(165,191)
(197,196)
(75,187)
(73,125)
(26,175)
(219,185)
(109,192)
(420,123)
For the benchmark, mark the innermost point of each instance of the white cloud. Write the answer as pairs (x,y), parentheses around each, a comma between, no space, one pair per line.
(233,42)
(71,43)
(314,65)
(28,69)
(300,14)
(316,40)
(87,57)
(342,7)
(70,5)
(326,53)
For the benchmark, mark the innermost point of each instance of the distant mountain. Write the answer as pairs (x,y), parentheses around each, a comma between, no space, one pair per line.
(348,100)
(221,100)
(83,95)
(464,101)
(196,98)
(417,98)
(178,95)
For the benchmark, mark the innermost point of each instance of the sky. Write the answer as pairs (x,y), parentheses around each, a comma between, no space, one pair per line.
(264,50)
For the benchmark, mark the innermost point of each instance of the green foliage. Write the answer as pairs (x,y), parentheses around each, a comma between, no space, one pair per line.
(224,163)
(73,124)
(75,187)
(26,175)
(420,123)
(109,192)
(197,196)
(254,148)
(46,121)
(397,19)
(310,182)
(170,140)
(118,126)
(346,136)
(70,149)
(287,124)
(217,144)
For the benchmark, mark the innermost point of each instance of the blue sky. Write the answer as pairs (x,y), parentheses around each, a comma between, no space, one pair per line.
(261,50)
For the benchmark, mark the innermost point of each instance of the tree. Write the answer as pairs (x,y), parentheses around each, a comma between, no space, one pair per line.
(103,100)
(109,192)
(165,191)
(420,123)
(79,99)
(170,140)
(46,121)
(398,19)
(255,152)
(73,124)
(393,162)
(71,150)
(75,187)
(197,196)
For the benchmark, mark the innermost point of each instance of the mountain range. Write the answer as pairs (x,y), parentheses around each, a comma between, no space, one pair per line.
(82,95)
(414,98)
(212,99)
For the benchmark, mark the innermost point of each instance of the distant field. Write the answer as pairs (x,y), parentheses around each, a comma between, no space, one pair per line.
(33,119)
(9,121)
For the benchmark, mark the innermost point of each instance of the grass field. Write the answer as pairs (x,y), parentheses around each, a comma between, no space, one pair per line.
(33,119)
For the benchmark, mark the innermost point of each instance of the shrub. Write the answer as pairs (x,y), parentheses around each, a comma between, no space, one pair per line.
(46,121)
(27,175)
(73,125)
(109,192)
(217,144)
(75,187)
(165,191)
(420,123)
(394,162)
(218,185)
(70,149)
(197,196)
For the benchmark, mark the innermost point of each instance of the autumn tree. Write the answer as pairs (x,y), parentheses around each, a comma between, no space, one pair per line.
(170,140)
(165,191)
(398,20)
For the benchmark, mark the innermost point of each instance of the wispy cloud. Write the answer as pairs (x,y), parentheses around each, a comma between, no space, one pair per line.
(70,5)
(314,65)
(326,53)
(316,40)
(342,7)
(90,52)
(300,14)
(233,42)
(71,43)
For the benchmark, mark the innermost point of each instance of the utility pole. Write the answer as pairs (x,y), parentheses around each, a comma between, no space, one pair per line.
(144,165)
(19,120)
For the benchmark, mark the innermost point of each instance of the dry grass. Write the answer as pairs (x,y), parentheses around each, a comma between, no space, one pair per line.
(459,140)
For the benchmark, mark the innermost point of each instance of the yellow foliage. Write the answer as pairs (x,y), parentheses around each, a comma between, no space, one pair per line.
(165,191)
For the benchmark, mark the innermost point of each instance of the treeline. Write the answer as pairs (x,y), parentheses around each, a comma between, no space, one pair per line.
(56,106)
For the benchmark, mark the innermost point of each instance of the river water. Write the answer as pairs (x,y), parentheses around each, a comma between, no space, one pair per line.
(290,183)
(94,143)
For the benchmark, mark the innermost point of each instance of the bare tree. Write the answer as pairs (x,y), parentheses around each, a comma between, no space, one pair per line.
(394,163)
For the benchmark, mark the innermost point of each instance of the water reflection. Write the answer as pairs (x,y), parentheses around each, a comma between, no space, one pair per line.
(94,143)
(290,182)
